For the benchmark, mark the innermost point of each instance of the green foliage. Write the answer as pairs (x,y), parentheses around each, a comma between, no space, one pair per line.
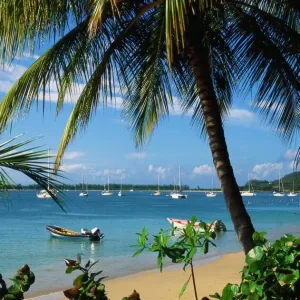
(179,245)
(271,271)
(31,162)
(21,284)
(88,285)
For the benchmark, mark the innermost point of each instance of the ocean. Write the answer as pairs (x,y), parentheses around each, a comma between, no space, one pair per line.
(24,238)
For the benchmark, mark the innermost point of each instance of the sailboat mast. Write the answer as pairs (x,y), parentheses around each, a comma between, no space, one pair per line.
(121,183)
(157,182)
(86,184)
(249,188)
(108,181)
(179,180)
(48,168)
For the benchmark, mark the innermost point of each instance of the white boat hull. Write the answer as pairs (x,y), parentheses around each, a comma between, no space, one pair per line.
(178,196)
(247,194)
(211,194)
(181,224)
(120,194)
(278,195)
(157,194)
(83,194)
(106,194)
(44,196)
(291,194)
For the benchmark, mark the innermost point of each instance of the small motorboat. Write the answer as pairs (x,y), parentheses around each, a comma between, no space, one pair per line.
(217,225)
(60,232)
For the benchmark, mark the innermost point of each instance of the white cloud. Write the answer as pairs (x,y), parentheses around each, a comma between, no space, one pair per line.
(110,172)
(136,155)
(291,165)
(158,170)
(203,170)
(71,167)
(290,154)
(240,116)
(263,170)
(73,155)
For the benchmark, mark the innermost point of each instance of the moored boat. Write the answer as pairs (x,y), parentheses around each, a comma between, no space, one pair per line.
(210,194)
(217,225)
(60,232)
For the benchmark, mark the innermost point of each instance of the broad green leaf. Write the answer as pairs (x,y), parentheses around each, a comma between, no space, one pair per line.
(215,296)
(69,270)
(81,278)
(254,254)
(289,259)
(184,287)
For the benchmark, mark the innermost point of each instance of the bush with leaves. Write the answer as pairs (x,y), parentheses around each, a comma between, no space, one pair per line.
(180,245)
(87,286)
(21,283)
(271,271)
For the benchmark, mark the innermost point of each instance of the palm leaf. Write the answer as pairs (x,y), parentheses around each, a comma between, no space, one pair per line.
(32,163)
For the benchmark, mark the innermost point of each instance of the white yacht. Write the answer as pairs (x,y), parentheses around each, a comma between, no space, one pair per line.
(157,193)
(178,194)
(292,193)
(120,194)
(211,193)
(107,192)
(250,192)
(84,192)
(43,194)
(280,187)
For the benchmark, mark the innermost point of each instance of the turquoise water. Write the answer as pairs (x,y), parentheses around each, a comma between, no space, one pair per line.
(24,239)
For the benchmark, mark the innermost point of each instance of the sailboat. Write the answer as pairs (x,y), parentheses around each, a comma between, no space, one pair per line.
(248,193)
(292,193)
(157,193)
(107,193)
(178,194)
(132,190)
(211,193)
(43,194)
(121,192)
(279,193)
(84,193)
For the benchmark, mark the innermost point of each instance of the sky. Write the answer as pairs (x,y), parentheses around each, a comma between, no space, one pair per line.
(108,146)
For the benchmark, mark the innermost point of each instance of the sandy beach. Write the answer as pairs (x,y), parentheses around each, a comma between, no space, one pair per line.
(210,278)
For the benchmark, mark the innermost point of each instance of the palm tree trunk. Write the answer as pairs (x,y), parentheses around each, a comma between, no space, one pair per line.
(199,60)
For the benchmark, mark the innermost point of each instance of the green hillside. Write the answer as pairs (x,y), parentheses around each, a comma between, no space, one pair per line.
(264,185)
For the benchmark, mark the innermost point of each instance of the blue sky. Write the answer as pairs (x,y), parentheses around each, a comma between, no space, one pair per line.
(108,145)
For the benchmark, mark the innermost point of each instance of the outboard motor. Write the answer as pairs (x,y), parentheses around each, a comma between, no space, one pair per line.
(84,231)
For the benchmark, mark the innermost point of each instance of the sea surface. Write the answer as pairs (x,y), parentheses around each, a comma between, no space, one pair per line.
(24,238)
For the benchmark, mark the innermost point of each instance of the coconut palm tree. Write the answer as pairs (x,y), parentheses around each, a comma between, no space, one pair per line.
(149,51)
(29,161)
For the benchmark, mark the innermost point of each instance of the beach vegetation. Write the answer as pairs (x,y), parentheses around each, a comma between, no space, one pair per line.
(179,245)
(88,285)
(21,284)
(271,271)
(151,52)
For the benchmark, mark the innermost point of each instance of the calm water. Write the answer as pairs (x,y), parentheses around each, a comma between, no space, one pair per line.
(24,239)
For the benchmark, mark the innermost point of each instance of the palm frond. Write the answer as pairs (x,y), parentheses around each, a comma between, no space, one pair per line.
(22,22)
(32,163)
(150,88)
(260,50)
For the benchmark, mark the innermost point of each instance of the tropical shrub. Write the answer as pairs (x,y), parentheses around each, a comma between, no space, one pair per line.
(178,245)
(271,271)
(88,285)
(21,283)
